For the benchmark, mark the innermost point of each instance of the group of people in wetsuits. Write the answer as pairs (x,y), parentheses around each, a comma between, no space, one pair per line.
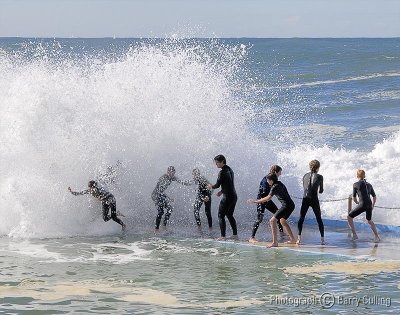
(269,186)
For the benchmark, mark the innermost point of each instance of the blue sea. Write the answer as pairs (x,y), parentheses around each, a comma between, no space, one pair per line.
(121,111)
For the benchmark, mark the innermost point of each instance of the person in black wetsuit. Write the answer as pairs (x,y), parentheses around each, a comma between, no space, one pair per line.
(229,197)
(263,191)
(161,200)
(362,189)
(203,196)
(312,184)
(107,199)
(279,190)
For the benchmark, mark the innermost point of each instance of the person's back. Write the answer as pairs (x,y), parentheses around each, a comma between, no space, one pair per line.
(162,184)
(312,184)
(363,189)
(226,181)
(279,190)
(202,183)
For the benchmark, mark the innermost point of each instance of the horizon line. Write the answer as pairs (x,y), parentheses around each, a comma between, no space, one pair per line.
(181,38)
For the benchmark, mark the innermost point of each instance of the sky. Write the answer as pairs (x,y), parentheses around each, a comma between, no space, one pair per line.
(200,18)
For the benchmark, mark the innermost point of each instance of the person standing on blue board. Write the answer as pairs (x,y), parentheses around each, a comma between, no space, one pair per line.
(263,191)
(107,199)
(279,190)
(161,200)
(312,184)
(229,197)
(203,196)
(362,189)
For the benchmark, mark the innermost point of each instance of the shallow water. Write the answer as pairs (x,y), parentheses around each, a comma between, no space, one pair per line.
(137,274)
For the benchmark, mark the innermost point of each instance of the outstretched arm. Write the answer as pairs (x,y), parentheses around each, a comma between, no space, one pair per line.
(76,193)
(262,200)
(185,182)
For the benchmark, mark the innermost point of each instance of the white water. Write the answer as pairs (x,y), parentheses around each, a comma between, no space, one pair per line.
(64,122)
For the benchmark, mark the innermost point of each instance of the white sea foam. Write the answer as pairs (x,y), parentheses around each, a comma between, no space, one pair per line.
(338,166)
(65,121)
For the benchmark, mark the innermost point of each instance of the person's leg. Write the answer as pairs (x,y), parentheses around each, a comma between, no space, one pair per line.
(231,218)
(271,207)
(168,212)
(305,204)
(288,231)
(260,217)
(196,210)
(106,210)
(207,209)
(272,223)
(160,211)
(113,207)
(352,214)
(372,224)
(317,211)
(221,217)
(285,213)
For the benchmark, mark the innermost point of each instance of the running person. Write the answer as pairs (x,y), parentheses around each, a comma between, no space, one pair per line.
(229,197)
(279,190)
(312,184)
(263,191)
(107,199)
(161,200)
(203,196)
(362,189)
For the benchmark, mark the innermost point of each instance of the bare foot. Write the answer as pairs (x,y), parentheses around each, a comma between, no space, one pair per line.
(156,231)
(234,238)
(298,242)
(252,240)
(377,240)
(322,241)
(355,237)
(221,238)
(272,245)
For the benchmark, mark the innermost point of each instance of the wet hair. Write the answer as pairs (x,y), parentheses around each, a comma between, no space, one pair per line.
(220,158)
(272,177)
(171,169)
(360,173)
(275,169)
(314,165)
(92,184)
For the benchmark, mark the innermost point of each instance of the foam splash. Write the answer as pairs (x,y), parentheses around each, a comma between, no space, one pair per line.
(66,119)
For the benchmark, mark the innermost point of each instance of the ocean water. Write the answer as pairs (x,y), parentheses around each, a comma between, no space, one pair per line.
(73,108)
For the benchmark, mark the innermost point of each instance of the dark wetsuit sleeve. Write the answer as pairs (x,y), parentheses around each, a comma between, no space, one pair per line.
(354,190)
(372,192)
(321,185)
(272,192)
(83,192)
(219,180)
